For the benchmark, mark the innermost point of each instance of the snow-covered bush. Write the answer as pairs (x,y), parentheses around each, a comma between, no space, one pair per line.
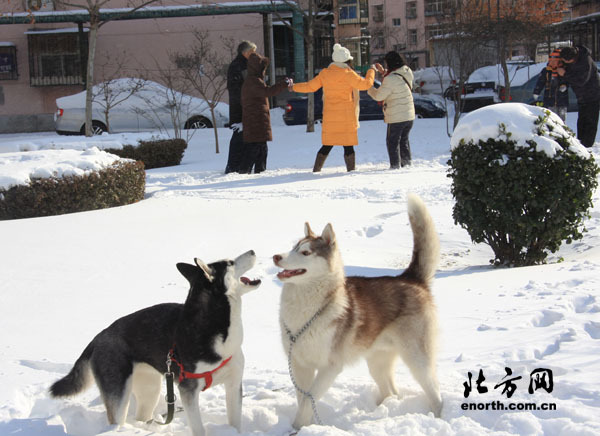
(154,153)
(521,180)
(56,182)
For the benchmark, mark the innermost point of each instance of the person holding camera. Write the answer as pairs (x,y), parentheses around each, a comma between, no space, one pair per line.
(580,72)
(552,87)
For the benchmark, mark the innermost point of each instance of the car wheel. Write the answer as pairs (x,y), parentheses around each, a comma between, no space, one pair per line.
(98,128)
(419,115)
(198,123)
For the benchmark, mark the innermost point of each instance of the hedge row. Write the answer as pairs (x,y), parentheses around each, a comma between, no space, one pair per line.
(154,154)
(120,184)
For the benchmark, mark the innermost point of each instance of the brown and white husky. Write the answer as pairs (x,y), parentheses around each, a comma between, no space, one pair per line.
(329,320)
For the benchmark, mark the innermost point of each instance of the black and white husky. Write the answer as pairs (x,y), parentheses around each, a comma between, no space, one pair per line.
(329,320)
(204,335)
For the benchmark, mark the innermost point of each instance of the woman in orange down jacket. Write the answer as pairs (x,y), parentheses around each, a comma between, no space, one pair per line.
(340,105)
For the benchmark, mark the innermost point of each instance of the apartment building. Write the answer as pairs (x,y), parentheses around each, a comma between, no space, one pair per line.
(406,27)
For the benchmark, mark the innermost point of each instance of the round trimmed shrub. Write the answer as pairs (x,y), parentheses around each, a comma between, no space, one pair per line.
(524,188)
(121,183)
(154,153)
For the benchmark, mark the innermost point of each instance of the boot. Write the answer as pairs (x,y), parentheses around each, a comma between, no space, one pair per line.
(350,160)
(319,161)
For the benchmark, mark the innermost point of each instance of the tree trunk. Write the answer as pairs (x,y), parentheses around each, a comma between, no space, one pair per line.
(214,121)
(89,81)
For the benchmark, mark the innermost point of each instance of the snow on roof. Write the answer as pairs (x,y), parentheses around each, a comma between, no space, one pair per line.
(21,168)
(519,119)
(65,30)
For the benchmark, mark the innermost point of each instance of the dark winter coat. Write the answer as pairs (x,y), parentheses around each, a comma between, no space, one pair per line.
(550,87)
(582,76)
(256,119)
(236,73)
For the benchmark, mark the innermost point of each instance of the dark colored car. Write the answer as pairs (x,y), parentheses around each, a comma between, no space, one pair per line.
(524,93)
(295,109)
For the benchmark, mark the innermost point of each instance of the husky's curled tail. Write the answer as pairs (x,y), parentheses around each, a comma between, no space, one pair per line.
(426,244)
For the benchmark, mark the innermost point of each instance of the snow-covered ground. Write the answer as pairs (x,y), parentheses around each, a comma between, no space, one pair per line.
(64,278)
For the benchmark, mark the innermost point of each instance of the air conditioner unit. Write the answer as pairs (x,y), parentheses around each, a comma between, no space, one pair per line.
(39,5)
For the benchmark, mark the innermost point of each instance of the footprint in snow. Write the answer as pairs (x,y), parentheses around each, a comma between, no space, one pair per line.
(547,318)
(61,368)
(585,304)
(593,329)
(568,336)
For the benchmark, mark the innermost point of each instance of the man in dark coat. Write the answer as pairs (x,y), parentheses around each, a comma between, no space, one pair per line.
(554,89)
(236,73)
(581,74)
(256,118)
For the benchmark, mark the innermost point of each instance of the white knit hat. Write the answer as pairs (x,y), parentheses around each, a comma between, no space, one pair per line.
(341,54)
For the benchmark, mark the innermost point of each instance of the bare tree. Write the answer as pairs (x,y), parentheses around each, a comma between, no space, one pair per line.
(460,48)
(114,90)
(93,7)
(203,68)
(514,22)
(166,97)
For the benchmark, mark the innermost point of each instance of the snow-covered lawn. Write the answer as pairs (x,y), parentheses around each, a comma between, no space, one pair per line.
(64,278)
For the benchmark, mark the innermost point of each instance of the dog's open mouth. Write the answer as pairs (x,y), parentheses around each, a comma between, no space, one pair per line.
(248,282)
(287,273)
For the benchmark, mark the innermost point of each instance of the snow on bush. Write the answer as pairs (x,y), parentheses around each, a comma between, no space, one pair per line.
(521,180)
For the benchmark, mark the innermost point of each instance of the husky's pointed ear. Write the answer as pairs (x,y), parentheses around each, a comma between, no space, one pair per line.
(308,231)
(205,269)
(190,272)
(328,235)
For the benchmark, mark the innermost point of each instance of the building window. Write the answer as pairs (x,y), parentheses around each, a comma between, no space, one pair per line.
(433,31)
(378,40)
(8,61)
(353,11)
(434,7)
(411,9)
(412,37)
(378,13)
(57,58)
(396,22)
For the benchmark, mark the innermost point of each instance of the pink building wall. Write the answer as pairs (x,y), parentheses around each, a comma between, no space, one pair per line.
(141,42)
(387,33)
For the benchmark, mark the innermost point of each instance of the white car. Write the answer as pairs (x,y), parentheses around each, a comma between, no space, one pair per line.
(136,105)
(433,80)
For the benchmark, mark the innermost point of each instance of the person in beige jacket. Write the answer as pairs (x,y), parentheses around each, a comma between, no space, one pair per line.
(398,106)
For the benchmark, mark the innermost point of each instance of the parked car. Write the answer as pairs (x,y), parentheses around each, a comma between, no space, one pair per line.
(137,105)
(483,86)
(433,80)
(296,108)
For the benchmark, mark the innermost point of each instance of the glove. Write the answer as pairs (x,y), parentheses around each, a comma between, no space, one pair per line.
(237,127)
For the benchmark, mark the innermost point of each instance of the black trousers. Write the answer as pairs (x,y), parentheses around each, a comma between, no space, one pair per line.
(236,150)
(397,143)
(255,155)
(587,122)
(348,150)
